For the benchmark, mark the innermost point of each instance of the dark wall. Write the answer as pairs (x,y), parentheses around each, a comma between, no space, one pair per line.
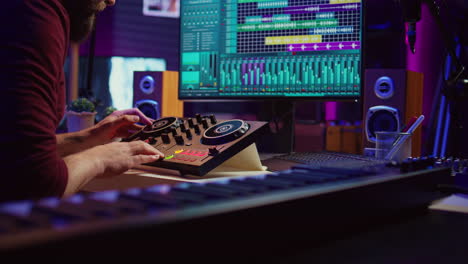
(384,47)
(384,35)
(123,30)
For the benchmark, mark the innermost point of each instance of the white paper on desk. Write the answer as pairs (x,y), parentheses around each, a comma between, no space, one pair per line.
(453,203)
(246,160)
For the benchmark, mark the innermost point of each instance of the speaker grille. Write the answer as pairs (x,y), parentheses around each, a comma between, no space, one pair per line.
(384,88)
(149,108)
(147,84)
(381,118)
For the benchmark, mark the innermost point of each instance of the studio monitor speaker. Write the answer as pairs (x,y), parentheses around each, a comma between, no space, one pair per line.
(155,93)
(391,98)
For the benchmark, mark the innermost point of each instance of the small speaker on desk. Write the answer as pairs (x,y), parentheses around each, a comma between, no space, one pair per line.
(155,93)
(381,118)
(149,108)
(391,98)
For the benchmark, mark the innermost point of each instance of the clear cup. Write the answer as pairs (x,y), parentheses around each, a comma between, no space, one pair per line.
(391,145)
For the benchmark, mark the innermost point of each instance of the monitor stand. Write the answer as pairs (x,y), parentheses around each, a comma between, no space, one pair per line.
(281,118)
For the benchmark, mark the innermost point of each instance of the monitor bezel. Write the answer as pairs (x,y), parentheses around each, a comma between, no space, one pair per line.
(357,99)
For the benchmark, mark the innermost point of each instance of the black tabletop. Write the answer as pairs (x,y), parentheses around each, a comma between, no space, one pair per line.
(435,237)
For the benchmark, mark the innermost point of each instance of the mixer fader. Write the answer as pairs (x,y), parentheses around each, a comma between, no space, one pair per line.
(198,145)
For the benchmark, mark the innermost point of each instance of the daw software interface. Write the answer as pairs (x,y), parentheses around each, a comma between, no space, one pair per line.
(270,49)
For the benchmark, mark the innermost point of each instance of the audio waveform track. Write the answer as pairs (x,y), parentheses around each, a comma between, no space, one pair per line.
(294,76)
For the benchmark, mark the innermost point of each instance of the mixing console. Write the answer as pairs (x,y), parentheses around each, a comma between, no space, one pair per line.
(198,145)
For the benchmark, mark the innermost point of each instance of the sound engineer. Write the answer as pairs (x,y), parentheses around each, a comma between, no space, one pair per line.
(35,162)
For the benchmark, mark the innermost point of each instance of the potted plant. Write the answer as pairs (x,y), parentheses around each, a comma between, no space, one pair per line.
(80,114)
(108,110)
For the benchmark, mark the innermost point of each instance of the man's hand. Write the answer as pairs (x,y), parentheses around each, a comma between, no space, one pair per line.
(119,124)
(105,161)
(118,157)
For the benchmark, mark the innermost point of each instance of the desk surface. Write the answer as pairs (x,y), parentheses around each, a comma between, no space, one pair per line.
(437,237)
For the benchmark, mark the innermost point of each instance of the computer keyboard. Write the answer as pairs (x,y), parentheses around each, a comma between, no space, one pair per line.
(328,158)
(273,201)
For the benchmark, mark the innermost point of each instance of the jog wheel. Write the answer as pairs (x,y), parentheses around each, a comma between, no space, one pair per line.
(161,125)
(224,132)
(136,136)
(154,130)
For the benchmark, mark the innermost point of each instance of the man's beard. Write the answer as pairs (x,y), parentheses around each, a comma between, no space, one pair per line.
(82,18)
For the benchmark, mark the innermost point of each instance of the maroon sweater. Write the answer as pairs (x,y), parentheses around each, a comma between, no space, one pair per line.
(33,45)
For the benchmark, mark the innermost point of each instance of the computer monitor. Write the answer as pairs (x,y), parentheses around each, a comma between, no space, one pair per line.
(270,49)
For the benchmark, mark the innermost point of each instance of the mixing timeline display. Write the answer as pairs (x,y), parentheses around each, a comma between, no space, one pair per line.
(270,48)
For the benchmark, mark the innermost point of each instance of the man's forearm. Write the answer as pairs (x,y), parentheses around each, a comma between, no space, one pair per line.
(71,143)
(81,169)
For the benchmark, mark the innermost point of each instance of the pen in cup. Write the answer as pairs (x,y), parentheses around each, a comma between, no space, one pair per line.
(410,123)
(401,140)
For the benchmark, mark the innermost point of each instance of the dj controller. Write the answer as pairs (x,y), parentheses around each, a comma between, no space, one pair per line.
(197,145)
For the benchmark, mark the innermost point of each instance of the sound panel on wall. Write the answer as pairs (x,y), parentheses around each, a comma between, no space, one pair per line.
(155,93)
(391,98)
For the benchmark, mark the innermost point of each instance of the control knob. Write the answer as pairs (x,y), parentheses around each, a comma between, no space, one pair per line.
(213,151)
(213,119)
(188,133)
(152,140)
(199,118)
(182,127)
(204,123)
(179,139)
(165,138)
(196,128)
(190,122)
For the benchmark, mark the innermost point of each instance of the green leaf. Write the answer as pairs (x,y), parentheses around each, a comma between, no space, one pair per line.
(81,105)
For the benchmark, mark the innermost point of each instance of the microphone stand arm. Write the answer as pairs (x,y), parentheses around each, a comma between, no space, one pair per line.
(456,84)
(450,45)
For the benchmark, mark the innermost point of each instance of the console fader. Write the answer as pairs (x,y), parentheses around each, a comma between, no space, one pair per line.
(198,145)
